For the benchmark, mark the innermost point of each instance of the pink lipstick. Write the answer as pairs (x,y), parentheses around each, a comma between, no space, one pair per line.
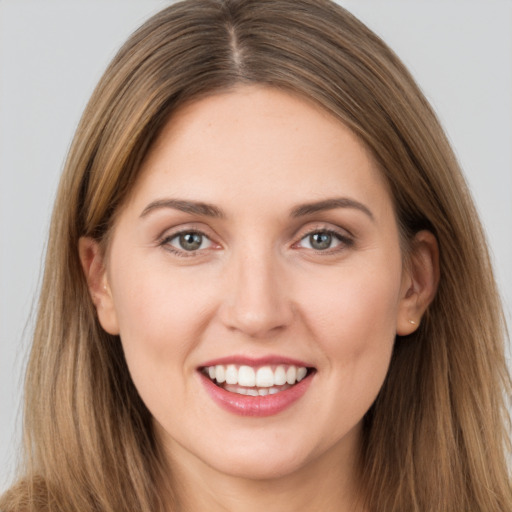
(256,387)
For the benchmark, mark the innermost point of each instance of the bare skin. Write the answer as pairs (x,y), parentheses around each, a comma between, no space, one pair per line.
(260,229)
(302,490)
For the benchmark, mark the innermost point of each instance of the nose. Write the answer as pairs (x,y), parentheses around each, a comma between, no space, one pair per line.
(257,300)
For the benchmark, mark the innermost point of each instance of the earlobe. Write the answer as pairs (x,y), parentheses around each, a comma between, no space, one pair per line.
(420,282)
(93,265)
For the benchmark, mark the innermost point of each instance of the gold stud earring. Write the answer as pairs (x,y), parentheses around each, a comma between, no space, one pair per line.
(413,322)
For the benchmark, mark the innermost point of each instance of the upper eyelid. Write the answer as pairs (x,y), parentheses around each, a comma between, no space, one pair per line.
(174,234)
(325,230)
(171,232)
(326,227)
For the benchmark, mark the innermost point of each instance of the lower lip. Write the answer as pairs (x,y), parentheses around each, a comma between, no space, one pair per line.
(245,405)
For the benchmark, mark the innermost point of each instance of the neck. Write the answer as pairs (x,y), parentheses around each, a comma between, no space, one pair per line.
(329,483)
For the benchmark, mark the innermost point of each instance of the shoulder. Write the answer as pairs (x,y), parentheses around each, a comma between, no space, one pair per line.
(27,496)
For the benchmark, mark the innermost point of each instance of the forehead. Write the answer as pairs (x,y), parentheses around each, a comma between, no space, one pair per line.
(260,145)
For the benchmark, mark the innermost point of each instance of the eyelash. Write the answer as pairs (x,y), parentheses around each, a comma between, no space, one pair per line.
(344,240)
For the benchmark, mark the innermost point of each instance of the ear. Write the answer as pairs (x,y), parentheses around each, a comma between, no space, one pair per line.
(93,265)
(419,282)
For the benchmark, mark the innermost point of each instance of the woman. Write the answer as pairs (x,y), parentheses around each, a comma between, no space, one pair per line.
(266,285)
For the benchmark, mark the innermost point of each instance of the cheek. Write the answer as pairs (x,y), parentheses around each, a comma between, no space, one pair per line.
(160,313)
(161,316)
(352,319)
(352,315)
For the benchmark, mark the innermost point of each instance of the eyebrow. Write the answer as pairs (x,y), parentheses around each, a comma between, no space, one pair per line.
(194,207)
(210,210)
(330,204)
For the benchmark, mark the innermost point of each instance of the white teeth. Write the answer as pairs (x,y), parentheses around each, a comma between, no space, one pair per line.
(265,377)
(291,375)
(301,373)
(231,374)
(220,374)
(246,376)
(255,391)
(280,376)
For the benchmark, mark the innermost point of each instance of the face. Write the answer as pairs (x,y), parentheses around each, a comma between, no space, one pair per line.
(255,278)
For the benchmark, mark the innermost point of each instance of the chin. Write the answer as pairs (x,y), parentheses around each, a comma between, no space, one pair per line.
(261,467)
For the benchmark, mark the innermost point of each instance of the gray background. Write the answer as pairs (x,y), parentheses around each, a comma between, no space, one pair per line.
(53,52)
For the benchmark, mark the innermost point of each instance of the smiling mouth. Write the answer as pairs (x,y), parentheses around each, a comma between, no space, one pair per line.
(256,381)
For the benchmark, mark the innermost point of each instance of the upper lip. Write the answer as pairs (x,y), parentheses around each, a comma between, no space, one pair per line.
(255,361)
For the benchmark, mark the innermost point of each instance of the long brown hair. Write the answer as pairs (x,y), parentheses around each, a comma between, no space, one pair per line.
(437,436)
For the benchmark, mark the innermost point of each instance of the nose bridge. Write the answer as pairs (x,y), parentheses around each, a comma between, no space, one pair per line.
(257,301)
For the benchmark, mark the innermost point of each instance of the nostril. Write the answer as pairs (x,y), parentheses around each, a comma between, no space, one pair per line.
(255,322)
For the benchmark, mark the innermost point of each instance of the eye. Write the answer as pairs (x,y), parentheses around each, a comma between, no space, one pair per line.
(188,241)
(323,240)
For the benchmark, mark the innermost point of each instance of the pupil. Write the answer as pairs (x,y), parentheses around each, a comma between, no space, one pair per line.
(320,240)
(191,241)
